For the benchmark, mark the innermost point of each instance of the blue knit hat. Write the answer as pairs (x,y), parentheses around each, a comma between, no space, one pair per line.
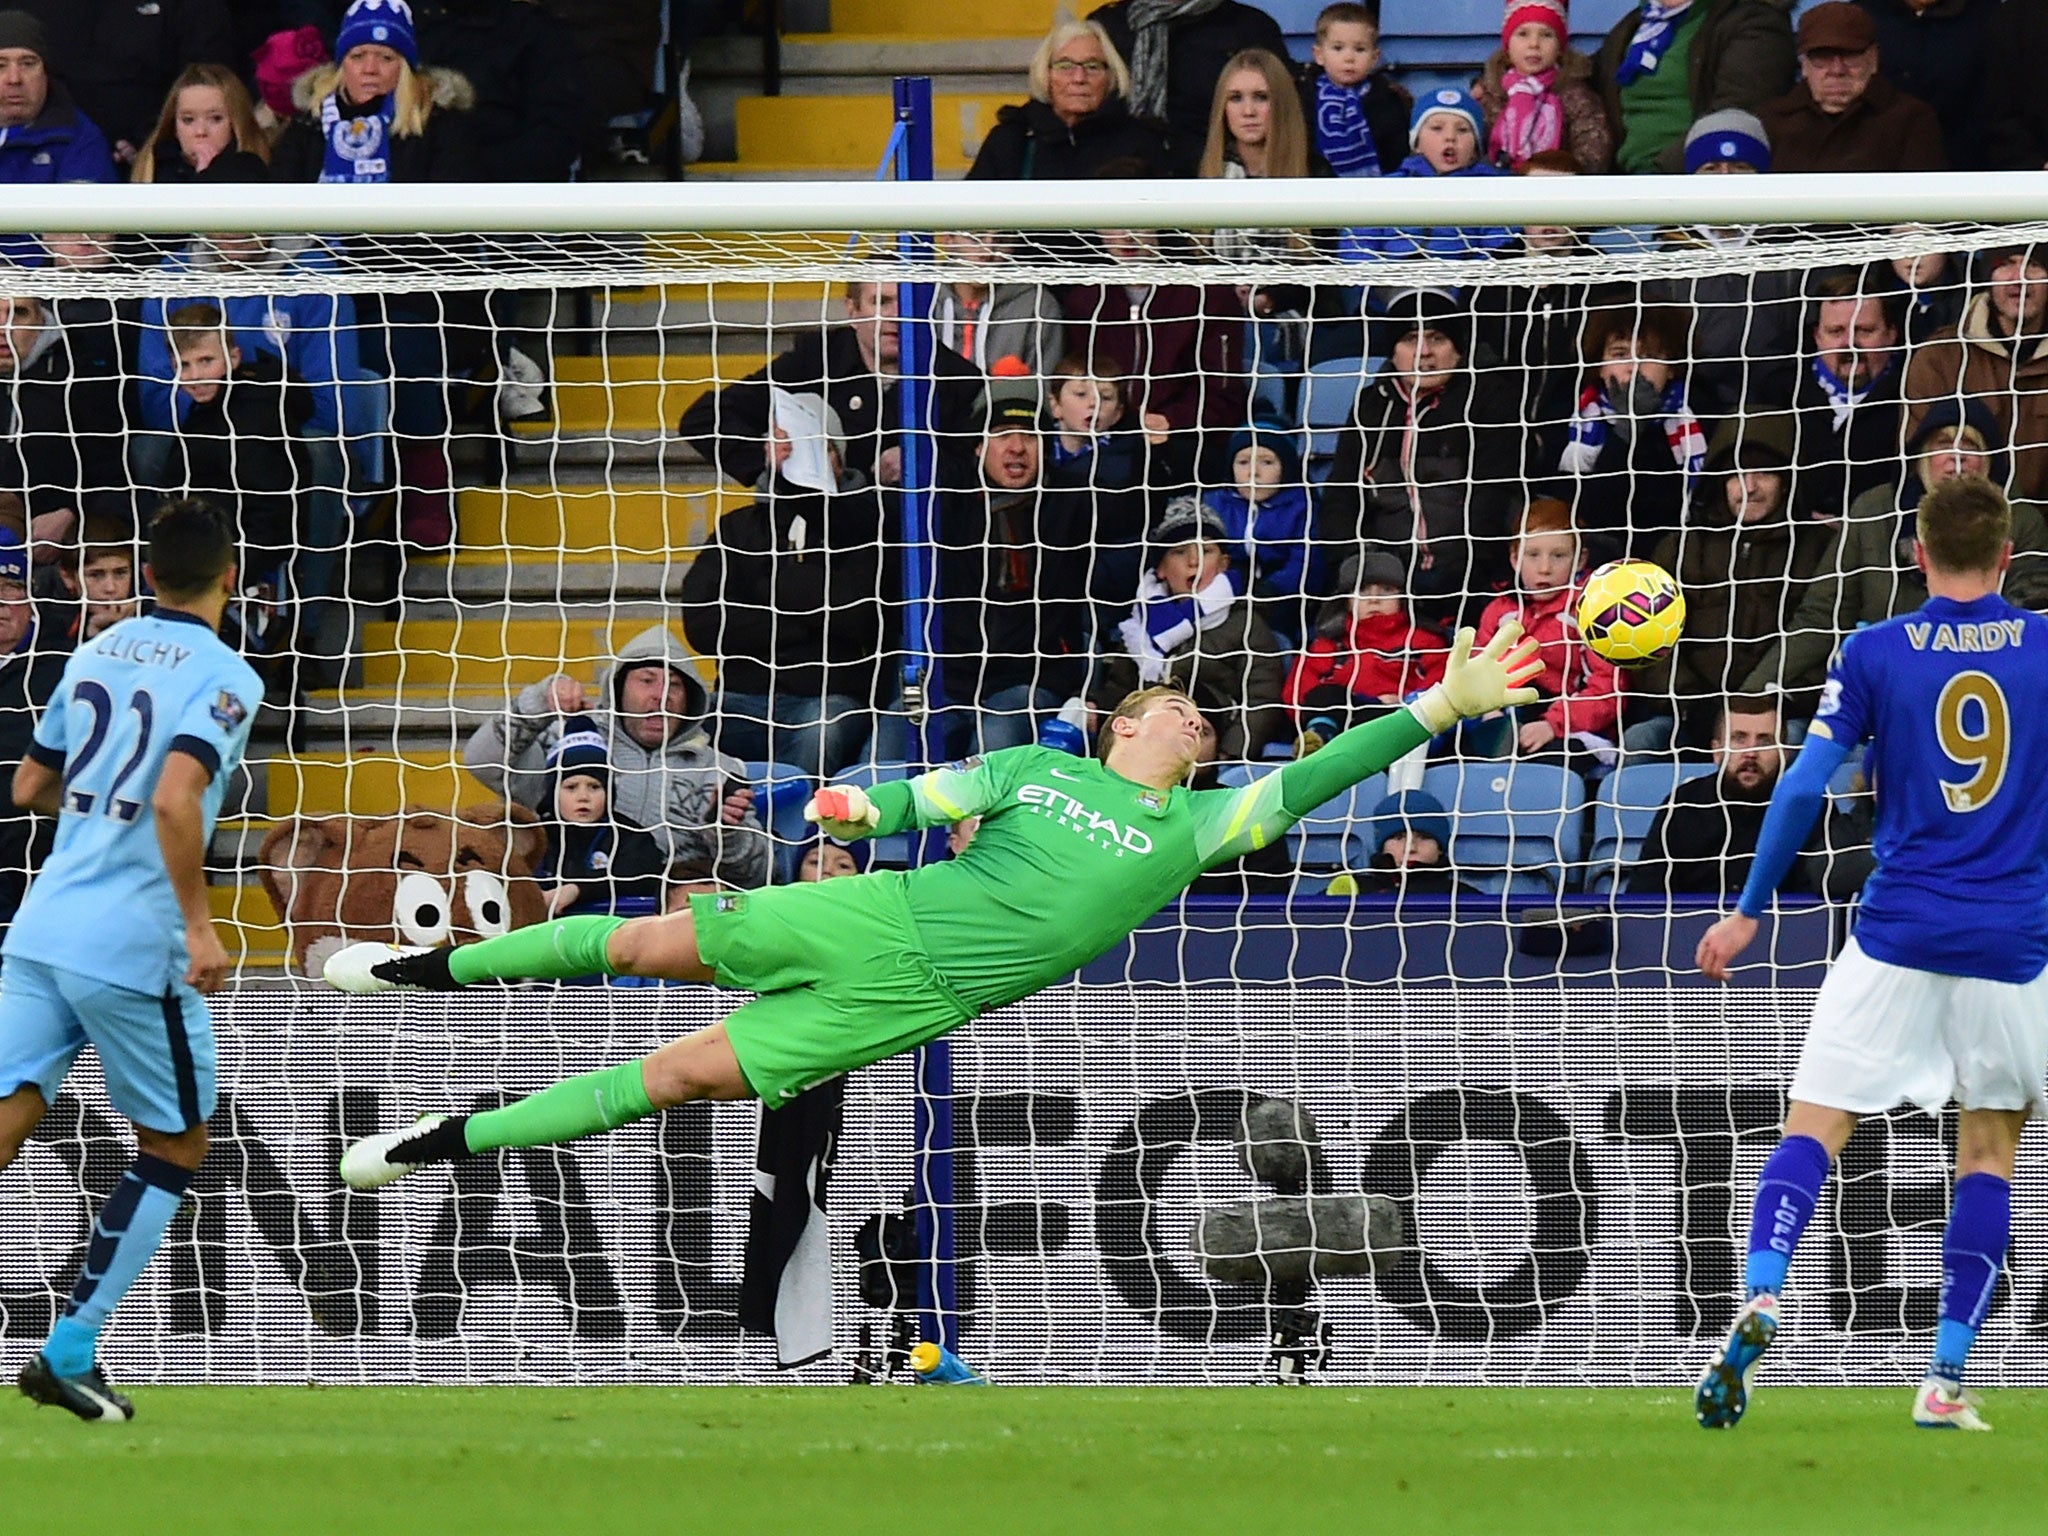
(1730,134)
(1413,810)
(1452,100)
(387,23)
(580,750)
(1286,447)
(13,557)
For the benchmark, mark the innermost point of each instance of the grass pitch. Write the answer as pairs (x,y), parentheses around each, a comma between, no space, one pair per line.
(1253,1462)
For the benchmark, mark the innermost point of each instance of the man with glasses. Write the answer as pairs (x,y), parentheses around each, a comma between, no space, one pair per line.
(1843,115)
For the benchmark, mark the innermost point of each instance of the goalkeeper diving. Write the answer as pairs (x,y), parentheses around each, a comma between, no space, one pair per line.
(1073,854)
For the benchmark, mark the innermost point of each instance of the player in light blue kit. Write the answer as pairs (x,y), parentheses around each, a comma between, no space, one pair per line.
(1942,992)
(115,942)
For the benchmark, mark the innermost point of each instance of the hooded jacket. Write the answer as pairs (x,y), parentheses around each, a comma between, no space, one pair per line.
(62,144)
(788,596)
(315,334)
(1972,359)
(1867,573)
(675,790)
(1742,56)
(445,151)
(1742,581)
(1031,142)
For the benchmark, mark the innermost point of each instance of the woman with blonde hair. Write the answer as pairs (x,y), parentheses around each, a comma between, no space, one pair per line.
(1078,118)
(376,116)
(207,114)
(1255,124)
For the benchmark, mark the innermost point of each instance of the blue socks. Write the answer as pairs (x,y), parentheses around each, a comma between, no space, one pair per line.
(1972,1252)
(1786,1194)
(130,1227)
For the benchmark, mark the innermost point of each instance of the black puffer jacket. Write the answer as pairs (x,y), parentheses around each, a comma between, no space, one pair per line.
(532,113)
(119,57)
(1030,142)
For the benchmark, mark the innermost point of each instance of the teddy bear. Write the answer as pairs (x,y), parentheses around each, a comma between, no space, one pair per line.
(418,878)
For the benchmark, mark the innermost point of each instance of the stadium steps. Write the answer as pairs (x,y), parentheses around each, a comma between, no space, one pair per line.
(580,518)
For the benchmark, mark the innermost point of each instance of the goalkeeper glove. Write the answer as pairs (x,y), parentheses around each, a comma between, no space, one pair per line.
(1497,678)
(844,812)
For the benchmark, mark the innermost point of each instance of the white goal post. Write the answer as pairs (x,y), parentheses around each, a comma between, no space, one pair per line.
(1566,1118)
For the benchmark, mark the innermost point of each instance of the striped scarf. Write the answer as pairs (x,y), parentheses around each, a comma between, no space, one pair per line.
(1653,36)
(1593,424)
(1343,134)
(1150,22)
(1533,120)
(1162,622)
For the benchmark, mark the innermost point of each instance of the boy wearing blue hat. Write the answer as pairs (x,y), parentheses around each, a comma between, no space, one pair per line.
(1268,522)
(593,858)
(1445,136)
(1411,838)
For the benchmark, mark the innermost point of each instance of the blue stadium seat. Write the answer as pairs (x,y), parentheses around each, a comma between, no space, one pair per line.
(1524,820)
(886,852)
(1329,395)
(1841,783)
(1323,837)
(1628,801)
(1272,393)
(780,794)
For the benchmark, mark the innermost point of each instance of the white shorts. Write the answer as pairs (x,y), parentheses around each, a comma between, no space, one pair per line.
(1884,1035)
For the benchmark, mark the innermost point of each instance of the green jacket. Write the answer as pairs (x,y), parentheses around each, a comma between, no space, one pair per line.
(1742,56)
(1867,576)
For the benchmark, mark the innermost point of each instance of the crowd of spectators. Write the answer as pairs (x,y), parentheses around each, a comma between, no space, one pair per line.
(1138,479)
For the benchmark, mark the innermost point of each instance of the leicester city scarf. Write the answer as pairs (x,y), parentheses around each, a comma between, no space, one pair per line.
(358,148)
(1342,132)
(1653,36)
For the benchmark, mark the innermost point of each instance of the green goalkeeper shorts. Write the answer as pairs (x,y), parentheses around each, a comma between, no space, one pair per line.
(842,977)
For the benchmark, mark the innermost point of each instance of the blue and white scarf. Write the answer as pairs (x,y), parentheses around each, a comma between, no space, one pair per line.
(358,148)
(1342,132)
(1841,398)
(1162,622)
(1653,36)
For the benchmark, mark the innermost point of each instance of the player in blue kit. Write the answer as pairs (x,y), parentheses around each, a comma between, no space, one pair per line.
(1943,991)
(115,942)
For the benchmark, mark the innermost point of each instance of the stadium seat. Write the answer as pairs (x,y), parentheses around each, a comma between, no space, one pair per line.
(1329,395)
(1322,836)
(1627,802)
(887,852)
(780,794)
(1522,820)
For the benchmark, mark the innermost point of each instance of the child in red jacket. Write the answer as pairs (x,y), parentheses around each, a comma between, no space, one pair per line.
(1365,657)
(1581,693)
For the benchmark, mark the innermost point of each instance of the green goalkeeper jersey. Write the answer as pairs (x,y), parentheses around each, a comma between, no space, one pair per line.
(1071,856)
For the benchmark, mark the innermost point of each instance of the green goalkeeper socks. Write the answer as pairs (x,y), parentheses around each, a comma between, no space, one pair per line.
(569,946)
(581,1106)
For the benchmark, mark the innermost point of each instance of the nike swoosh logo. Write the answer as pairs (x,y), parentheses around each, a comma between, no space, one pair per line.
(1937,1404)
(1071,778)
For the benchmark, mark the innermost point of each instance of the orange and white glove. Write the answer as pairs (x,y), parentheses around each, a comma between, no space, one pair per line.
(844,812)
(1497,678)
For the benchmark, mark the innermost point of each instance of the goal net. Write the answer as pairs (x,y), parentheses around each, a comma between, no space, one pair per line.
(684,506)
